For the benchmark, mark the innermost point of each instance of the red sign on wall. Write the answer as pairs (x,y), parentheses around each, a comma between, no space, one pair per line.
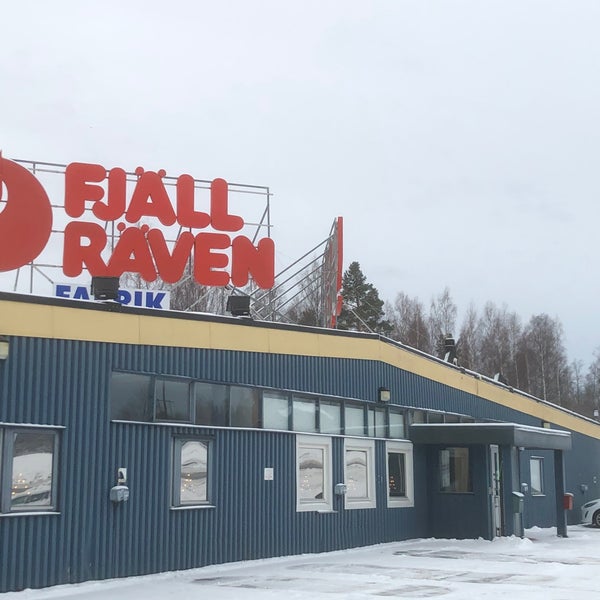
(139,211)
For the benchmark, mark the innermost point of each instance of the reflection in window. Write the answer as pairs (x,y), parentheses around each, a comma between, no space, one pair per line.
(244,406)
(359,473)
(397,474)
(172,400)
(130,397)
(313,473)
(330,417)
(455,474)
(211,404)
(193,472)
(417,416)
(275,410)
(396,425)
(356,474)
(376,423)
(32,472)
(400,485)
(311,482)
(536,468)
(354,420)
(435,417)
(304,414)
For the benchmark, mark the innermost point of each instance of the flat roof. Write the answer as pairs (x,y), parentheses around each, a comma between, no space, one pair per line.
(503,434)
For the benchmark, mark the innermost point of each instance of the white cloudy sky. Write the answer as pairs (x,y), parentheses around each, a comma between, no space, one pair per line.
(458,138)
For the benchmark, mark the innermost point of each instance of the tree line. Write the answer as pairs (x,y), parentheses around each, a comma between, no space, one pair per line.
(492,340)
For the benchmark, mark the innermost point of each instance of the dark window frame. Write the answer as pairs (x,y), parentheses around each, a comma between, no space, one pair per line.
(7,439)
(191,408)
(453,487)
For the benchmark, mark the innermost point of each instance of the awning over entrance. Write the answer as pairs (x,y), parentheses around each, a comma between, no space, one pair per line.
(513,437)
(503,434)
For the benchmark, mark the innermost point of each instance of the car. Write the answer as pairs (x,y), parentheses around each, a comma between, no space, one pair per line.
(590,513)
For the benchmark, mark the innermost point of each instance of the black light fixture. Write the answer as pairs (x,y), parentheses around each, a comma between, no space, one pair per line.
(105,288)
(384,394)
(500,378)
(238,306)
(450,349)
(4,347)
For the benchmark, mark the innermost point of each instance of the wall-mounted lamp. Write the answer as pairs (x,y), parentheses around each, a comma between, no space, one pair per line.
(384,394)
(4,347)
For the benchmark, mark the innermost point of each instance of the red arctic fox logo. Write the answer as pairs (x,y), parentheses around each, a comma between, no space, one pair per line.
(25,216)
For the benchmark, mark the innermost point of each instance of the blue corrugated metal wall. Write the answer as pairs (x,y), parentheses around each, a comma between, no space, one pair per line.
(460,515)
(66,383)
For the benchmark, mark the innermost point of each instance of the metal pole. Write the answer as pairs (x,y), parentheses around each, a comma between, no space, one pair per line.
(559,486)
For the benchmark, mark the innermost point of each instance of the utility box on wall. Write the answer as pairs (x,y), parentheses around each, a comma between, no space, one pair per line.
(518,501)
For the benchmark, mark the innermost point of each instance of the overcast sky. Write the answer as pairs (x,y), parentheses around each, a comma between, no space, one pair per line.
(458,139)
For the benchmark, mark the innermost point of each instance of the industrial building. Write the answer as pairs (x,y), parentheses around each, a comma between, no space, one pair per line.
(137,441)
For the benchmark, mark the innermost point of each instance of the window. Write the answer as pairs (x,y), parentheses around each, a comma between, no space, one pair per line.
(536,468)
(313,474)
(172,400)
(435,417)
(243,406)
(190,472)
(211,404)
(29,470)
(418,416)
(359,473)
(455,472)
(376,422)
(276,410)
(304,414)
(330,417)
(397,425)
(130,397)
(354,419)
(399,465)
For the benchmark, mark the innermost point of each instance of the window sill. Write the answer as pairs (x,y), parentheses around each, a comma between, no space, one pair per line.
(194,507)
(399,504)
(29,513)
(538,495)
(360,505)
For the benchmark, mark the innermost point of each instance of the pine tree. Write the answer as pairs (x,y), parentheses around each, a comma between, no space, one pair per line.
(362,309)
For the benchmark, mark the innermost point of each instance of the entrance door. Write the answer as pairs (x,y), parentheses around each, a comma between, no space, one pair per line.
(495,490)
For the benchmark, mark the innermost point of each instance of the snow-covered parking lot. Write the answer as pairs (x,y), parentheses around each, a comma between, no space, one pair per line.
(541,566)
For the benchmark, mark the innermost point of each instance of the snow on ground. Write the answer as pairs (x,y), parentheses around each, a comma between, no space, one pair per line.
(540,566)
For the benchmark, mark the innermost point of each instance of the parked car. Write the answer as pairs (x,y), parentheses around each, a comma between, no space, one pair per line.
(590,513)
